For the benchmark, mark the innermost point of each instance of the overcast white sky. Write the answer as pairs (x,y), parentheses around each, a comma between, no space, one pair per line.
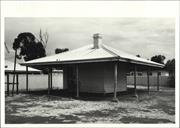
(144,36)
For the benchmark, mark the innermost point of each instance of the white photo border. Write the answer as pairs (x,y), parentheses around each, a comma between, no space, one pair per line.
(169,9)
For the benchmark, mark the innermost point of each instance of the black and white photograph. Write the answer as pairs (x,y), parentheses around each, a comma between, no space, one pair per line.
(89,70)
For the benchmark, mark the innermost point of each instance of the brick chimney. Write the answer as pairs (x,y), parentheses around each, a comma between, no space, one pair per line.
(97,40)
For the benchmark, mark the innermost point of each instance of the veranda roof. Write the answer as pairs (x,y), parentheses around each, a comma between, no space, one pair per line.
(88,54)
(9,67)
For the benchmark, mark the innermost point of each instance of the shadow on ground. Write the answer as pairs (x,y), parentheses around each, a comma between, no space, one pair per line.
(63,107)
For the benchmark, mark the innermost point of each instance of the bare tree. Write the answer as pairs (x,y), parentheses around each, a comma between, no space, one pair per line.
(43,37)
(6,47)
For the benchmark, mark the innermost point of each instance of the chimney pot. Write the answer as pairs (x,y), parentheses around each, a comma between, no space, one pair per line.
(97,40)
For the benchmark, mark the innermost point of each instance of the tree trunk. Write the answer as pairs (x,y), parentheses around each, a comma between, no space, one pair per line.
(14,72)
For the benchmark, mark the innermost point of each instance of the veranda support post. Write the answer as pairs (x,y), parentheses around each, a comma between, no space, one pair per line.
(148,82)
(115,80)
(17,83)
(27,79)
(49,81)
(77,81)
(8,84)
(135,70)
(158,81)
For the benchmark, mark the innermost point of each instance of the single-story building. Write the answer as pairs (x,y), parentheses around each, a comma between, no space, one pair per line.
(95,68)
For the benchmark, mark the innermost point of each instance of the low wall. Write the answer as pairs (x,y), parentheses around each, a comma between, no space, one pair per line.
(37,81)
(142,80)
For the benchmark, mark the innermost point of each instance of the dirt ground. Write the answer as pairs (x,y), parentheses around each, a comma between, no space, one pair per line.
(38,108)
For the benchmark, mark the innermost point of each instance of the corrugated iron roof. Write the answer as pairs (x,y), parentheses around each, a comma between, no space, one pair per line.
(90,54)
(132,58)
(9,66)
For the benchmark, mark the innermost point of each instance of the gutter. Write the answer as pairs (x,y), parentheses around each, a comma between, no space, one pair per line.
(92,61)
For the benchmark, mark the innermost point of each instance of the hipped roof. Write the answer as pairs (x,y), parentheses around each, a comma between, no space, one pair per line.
(88,54)
(9,67)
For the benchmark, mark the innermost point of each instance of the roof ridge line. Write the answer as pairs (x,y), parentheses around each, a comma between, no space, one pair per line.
(111,52)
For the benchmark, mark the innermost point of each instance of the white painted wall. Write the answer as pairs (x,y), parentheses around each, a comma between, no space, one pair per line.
(38,81)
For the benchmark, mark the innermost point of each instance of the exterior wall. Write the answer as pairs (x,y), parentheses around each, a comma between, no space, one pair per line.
(99,77)
(109,77)
(91,78)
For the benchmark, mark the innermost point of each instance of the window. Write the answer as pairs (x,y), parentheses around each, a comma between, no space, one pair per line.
(159,73)
(128,74)
(132,73)
(150,73)
(139,73)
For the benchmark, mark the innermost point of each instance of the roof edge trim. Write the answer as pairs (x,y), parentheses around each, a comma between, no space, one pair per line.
(71,62)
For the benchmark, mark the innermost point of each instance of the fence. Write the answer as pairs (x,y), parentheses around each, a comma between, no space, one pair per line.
(142,80)
(37,81)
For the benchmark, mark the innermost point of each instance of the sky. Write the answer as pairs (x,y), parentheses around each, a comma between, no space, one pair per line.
(144,36)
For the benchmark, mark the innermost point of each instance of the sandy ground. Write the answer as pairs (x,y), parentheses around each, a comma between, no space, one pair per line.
(158,107)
